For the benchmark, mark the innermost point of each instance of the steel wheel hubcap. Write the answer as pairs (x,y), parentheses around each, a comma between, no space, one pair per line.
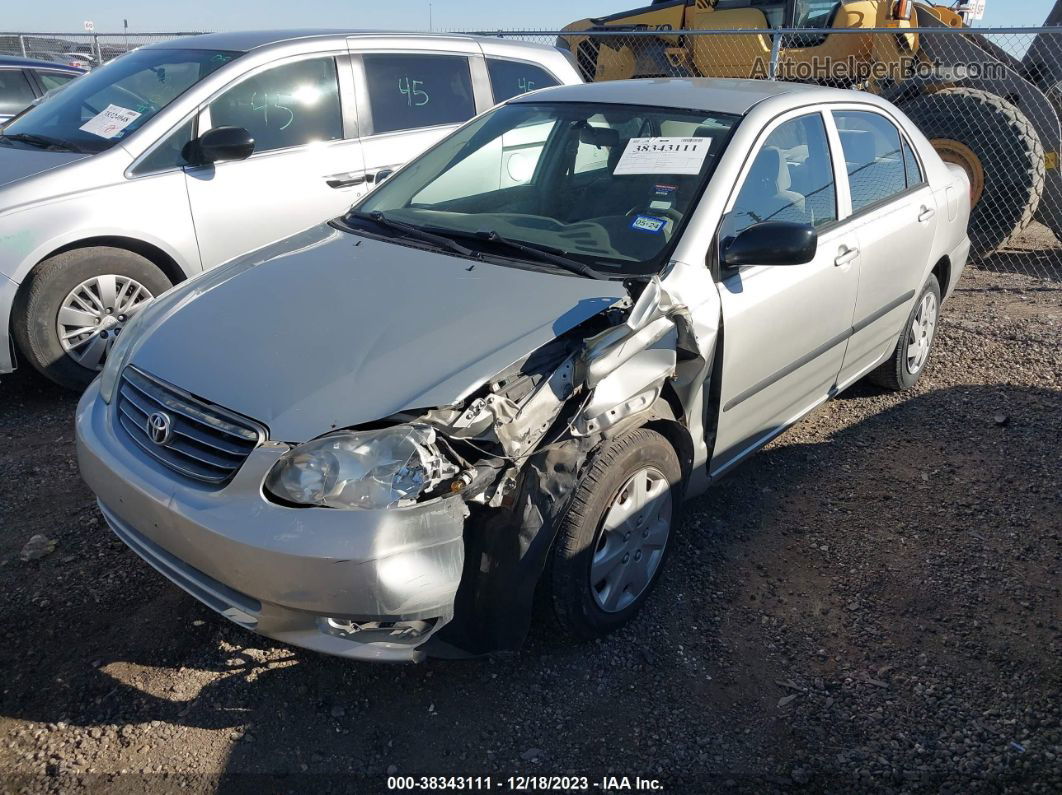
(631,545)
(920,335)
(94,313)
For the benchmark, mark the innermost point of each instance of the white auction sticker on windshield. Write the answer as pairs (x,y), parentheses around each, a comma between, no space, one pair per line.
(110,121)
(663,156)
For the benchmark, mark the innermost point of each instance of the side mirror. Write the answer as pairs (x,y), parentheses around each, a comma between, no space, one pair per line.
(772,243)
(224,143)
(383,174)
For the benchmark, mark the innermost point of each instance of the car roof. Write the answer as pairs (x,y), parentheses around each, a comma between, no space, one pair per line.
(247,40)
(719,95)
(11,60)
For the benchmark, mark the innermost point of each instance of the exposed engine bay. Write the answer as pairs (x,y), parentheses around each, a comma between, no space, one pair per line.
(519,443)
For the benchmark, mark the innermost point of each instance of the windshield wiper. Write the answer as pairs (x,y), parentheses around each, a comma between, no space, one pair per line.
(416,232)
(542,254)
(42,141)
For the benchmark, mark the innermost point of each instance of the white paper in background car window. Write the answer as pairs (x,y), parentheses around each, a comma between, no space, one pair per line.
(663,156)
(110,121)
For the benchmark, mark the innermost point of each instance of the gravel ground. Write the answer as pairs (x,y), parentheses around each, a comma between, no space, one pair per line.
(871,603)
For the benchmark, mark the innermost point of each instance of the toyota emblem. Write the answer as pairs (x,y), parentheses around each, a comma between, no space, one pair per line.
(159,427)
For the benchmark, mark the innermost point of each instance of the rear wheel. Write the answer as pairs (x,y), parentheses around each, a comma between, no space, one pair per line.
(74,305)
(908,360)
(1000,151)
(613,540)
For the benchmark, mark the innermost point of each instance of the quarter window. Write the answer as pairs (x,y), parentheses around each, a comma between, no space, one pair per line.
(15,91)
(910,162)
(407,92)
(791,179)
(873,155)
(50,80)
(512,78)
(289,105)
(169,154)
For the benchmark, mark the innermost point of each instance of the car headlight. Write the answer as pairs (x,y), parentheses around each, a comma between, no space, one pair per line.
(367,470)
(118,354)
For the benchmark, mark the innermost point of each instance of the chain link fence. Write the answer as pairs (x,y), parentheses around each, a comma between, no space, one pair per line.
(989,100)
(85,50)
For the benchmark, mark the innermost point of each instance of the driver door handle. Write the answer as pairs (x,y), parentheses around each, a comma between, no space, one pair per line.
(344,180)
(846,256)
(926,214)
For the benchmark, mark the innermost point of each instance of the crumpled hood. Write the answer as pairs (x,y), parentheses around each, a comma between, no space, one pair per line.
(17,163)
(328,329)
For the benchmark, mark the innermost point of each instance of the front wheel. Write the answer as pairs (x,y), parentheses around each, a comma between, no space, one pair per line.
(908,360)
(74,305)
(613,540)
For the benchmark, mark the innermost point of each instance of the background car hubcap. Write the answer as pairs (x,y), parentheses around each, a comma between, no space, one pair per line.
(920,337)
(94,313)
(631,545)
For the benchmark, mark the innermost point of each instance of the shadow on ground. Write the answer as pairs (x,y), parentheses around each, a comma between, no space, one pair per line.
(819,563)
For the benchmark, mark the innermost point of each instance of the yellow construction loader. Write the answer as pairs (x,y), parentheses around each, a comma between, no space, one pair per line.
(981,107)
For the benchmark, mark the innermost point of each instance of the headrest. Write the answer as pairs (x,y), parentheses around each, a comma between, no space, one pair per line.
(707,132)
(598,136)
(770,168)
(858,146)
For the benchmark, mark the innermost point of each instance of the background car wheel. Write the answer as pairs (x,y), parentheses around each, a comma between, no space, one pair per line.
(908,361)
(613,540)
(73,306)
(997,146)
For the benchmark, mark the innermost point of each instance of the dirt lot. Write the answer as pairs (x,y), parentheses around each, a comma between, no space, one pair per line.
(871,603)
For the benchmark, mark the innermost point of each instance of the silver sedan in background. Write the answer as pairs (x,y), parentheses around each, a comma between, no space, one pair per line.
(183,154)
(379,437)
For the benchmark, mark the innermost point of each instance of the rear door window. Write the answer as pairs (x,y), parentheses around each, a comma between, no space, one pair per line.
(872,153)
(407,92)
(15,91)
(509,79)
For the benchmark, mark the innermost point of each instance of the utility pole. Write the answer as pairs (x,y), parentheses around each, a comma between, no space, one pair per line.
(430,28)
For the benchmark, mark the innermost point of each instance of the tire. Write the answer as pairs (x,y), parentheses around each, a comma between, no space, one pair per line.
(36,316)
(576,602)
(1050,212)
(896,373)
(997,145)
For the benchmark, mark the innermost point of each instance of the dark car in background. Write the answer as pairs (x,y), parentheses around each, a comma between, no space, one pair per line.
(23,80)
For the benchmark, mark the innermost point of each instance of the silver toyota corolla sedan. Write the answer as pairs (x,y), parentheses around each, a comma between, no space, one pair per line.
(379,437)
(183,154)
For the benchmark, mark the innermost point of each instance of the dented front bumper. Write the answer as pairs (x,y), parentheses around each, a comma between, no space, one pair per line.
(319,578)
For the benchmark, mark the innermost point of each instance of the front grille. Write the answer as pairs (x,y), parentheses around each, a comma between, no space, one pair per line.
(202,442)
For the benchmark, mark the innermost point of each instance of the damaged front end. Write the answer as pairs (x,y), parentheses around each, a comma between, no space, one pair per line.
(514,450)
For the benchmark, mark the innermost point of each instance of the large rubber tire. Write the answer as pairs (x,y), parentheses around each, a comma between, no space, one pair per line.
(39,300)
(1050,213)
(1007,150)
(894,373)
(567,577)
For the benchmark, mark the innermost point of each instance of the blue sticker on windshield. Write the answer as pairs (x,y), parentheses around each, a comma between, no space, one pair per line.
(648,223)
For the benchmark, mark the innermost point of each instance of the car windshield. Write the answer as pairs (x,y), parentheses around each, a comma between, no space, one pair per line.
(107,105)
(605,186)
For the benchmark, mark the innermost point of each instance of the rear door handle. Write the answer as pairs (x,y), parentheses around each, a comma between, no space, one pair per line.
(846,256)
(344,180)
(926,214)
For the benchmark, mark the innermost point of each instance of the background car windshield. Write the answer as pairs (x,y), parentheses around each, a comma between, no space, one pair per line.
(108,104)
(610,185)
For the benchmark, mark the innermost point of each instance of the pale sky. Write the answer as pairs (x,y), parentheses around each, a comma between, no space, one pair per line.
(194,15)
